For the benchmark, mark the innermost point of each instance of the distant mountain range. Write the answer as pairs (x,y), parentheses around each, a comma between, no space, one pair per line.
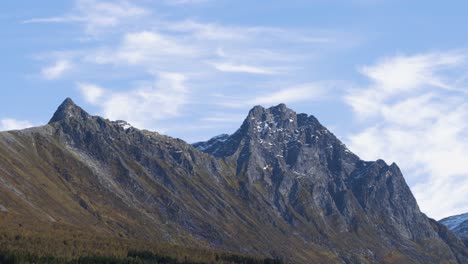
(457,224)
(282,186)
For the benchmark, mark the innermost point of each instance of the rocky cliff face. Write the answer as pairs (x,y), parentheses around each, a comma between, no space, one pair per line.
(282,185)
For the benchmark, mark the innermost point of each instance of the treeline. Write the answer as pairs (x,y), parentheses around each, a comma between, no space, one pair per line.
(63,244)
(133,257)
(247,260)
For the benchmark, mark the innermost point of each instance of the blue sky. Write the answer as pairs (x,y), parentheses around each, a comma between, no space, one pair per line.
(387,77)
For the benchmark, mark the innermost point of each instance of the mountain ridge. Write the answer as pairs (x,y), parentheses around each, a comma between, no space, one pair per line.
(458,224)
(282,177)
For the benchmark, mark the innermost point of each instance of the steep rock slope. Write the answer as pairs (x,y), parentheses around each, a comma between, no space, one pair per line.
(282,185)
(310,178)
(458,224)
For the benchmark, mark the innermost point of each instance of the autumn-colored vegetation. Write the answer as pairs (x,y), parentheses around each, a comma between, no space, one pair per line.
(61,244)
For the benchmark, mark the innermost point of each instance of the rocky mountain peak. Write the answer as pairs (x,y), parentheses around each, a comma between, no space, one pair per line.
(256,111)
(261,121)
(279,113)
(303,169)
(67,110)
(275,129)
(281,110)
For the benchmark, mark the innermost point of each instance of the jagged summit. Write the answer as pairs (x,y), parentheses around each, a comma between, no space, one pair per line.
(68,109)
(278,117)
(277,130)
(280,110)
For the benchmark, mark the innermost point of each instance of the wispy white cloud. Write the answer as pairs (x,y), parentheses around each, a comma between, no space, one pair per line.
(56,70)
(185,2)
(294,94)
(417,118)
(300,93)
(403,74)
(129,41)
(96,15)
(58,19)
(92,93)
(242,68)
(143,106)
(14,124)
(154,43)
(212,31)
(143,48)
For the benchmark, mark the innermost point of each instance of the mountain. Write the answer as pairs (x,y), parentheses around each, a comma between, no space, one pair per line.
(281,186)
(457,224)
